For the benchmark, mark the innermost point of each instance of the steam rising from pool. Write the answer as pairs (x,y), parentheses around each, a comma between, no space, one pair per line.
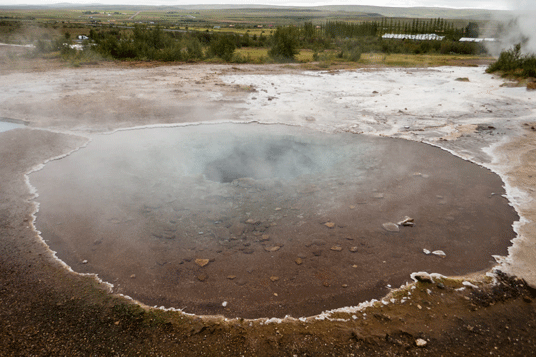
(274,220)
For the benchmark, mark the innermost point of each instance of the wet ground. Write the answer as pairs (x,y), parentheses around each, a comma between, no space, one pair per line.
(48,310)
(250,220)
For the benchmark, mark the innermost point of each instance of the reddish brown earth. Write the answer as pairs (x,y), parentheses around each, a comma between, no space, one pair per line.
(48,311)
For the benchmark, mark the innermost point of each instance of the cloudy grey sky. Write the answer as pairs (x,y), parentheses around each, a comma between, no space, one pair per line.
(482,4)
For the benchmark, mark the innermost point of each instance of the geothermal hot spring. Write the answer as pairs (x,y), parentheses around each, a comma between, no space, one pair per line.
(250,220)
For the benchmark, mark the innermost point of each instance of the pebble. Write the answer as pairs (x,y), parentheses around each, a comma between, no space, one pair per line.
(274,278)
(329,224)
(84,261)
(407,221)
(231,277)
(420,342)
(353,249)
(202,277)
(275,248)
(299,261)
(265,237)
(336,248)
(133,276)
(426,251)
(391,227)
(201,262)
(439,253)
(423,277)
(224,304)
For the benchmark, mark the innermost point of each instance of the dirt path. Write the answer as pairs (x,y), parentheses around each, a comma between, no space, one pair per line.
(47,310)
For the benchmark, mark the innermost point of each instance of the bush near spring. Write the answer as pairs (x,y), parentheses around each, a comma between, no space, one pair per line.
(513,62)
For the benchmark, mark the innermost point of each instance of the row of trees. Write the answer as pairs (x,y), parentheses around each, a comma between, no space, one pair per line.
(439,26)
(349,40)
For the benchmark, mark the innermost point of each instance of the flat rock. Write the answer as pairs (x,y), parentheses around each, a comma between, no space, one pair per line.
(274,248)
(439,253)
(407,222)
(391,227)
(202,262)
(336,248)
(329,224)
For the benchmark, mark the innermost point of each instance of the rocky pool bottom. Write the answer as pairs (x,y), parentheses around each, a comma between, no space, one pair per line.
(256,220)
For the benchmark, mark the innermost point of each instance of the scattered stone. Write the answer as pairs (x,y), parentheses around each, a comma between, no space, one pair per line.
(202,277)
(133,276)
(84,261)
(326,284)
(237,229)
(241,282)
(426,251)
(275,248)
(391,227)
(378,195)
(278,209)
(224,304)
(329,224)
(336,248)
(201,262)
(353,249)
(231,277)
(248,251)
(274,278)
(299,261)
(441,286)
(439,253)
(462,79)
(354,266)
(265,237)
(469,285)
(349,238)
(345,285)
(317,253)
(352,207)
(407,222)
(168,235)
(531,86)
(422,277)
(420,342)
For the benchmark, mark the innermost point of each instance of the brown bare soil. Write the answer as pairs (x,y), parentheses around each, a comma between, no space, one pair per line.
(48,311)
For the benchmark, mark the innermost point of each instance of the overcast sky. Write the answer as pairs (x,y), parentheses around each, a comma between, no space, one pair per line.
(481,4)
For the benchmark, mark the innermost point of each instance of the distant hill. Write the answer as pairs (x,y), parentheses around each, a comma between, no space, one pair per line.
(372,11)
(426,12)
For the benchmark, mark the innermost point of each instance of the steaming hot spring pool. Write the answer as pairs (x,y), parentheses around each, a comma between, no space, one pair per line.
(272,220)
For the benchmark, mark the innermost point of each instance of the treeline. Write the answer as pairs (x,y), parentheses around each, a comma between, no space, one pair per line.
(439,26)
(144,43)
(338,39)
